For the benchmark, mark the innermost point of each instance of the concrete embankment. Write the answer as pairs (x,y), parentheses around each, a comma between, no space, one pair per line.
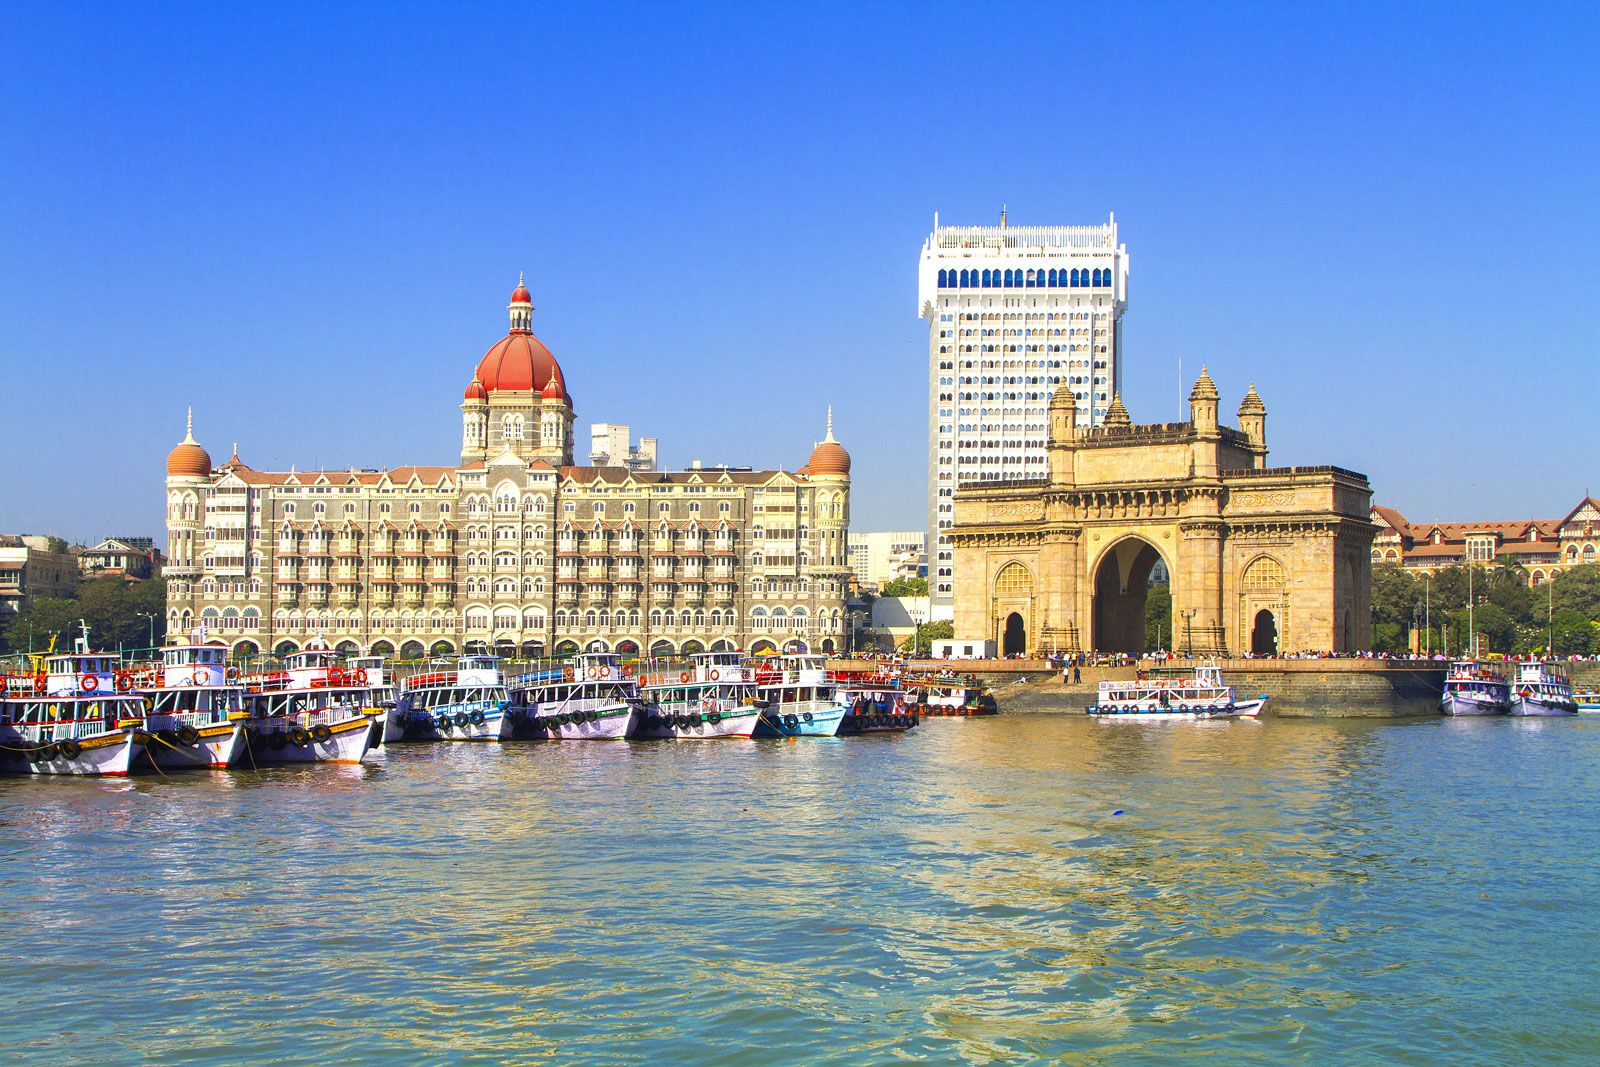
(1341,688)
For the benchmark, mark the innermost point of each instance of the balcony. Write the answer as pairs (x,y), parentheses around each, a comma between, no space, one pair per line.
(347,573)
(348,598)
(412,596)
(383,596)
(627,594)
(663,594)
(444,596)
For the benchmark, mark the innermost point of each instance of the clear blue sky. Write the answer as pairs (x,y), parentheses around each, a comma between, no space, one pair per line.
(306,223)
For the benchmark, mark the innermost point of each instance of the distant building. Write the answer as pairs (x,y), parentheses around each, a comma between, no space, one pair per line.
(1014,313)
(894,621)
(880,556)
(610,446)
(133,557)
(32,566)
(1542,547)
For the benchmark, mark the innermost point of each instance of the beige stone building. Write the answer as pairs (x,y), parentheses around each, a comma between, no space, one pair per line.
(1260,558)
(514,547)
(1542,548)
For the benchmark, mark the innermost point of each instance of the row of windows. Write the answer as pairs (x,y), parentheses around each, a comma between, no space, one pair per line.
(1024,279)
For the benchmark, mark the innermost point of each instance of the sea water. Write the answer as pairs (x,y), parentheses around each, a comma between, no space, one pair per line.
(1015,888)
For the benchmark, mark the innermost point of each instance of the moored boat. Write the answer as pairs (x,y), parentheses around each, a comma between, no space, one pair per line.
(468,703)
(380,696)
(1541,689)
(75,715)
(315,710)
(592,698)
(714,698)
(875,708)
(1587,699)
(936,696)
(1175,693)
(796,698)
(194,715)
(1470,688)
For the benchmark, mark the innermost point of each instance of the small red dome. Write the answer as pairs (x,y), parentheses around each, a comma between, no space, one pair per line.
(828,458)
(554,387)
(520,295)
(475,391)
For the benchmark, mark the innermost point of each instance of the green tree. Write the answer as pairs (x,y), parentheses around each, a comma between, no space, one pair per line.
(1395,595)
(1158,617)
(1578,590)
(111,607)
(926,635)
(1389,637)
(906,587)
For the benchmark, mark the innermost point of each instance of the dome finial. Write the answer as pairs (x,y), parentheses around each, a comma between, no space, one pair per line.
(188,428)
(830,437)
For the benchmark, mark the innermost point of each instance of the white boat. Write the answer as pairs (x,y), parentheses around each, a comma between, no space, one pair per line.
(594,697)
(1587,699)
(468,703)
(1470,688)
(875,708)
(714,697)
(380,695)
(315,710)
(1175,693)
(76,714)
(1541,689)
(194,715)
(796,698)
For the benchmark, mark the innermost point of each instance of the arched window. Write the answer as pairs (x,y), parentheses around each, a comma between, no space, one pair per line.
(1588,553)
(1074,277)
(1013,580)
(965,283)
(941,279)
(1264,573)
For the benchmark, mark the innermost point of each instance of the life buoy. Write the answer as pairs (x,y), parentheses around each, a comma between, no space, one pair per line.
(124,681)
(336,676)
(683,677)
(605,671)
(233,674)
(91,682)
(568,673)
(627,672)
(715,674)
(198,676)
(361,676)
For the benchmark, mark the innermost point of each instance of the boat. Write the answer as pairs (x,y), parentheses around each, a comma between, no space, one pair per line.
(714,697)
(592,698)
(194,713)
(76,714)
(315,710)
(875,708)
(796,698)
(1587,699)
(1541,689)
(1175,693)
(381,696)
(945,696)
(1470,688)
(468,703)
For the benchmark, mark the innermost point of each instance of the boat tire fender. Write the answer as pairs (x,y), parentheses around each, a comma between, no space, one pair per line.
(188,735)
(320,733)
(299,737)
(69,748)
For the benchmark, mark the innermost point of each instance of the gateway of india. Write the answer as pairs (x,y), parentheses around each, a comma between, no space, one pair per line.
(1260,559)
(513,549)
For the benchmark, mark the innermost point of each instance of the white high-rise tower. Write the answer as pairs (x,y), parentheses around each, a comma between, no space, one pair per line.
(1013,311)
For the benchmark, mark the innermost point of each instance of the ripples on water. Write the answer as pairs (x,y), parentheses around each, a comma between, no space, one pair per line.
(1303,891)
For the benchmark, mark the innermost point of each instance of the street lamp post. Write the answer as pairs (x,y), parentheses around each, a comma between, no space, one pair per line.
(1427,611)
(152,617)
(916,631)
(1188,629)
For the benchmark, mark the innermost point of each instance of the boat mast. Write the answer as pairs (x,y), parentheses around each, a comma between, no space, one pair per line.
(1472,631)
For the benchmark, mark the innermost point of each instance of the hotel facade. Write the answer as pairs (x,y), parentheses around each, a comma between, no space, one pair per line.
(513,548)
(1014,313)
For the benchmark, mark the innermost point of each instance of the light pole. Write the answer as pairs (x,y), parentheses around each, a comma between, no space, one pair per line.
(152,617)
(1188,630)
(916,631)
(1427,611)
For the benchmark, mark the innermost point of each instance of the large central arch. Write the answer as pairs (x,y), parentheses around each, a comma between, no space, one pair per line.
(1121,582)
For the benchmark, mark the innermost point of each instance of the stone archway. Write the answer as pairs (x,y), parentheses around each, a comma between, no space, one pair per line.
(1121,582)
(1264,634)
(1014,635)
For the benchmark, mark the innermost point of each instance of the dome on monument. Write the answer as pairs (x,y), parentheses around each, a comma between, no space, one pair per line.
(519,361)
(829,457)
(189,460)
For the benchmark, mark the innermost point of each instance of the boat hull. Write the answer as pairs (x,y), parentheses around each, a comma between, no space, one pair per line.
(494,727)
(1536,707)
(822,722)
(740,722)
(1239,709)
(614,723)
(854,725)
(218,746)
(106,756)
(1470,704)
(347,742)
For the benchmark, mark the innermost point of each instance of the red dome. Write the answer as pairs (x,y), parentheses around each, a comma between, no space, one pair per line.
(189,460)
(520,295)
(828,458)
(475,391)
(518,361)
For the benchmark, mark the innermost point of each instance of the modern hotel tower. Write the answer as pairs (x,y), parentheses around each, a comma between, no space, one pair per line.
(1013,312)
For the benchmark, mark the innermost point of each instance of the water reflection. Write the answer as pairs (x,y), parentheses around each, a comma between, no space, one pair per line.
(963,891)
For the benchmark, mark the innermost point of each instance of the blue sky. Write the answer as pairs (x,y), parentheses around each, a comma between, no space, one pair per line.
(306,224)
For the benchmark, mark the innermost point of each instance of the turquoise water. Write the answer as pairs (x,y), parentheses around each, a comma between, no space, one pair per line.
(1411,892)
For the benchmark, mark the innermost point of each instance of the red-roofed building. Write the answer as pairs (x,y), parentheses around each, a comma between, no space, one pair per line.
(515,548)
(1542,547)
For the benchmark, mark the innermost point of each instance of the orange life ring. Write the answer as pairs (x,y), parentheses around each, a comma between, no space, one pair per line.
(124,682)
(335,675)
(91,682)
(198,676)
(605,671)
(644,679)
(684,677)
(593,673)
(627,672)
(361,676)
(233,674)
(569,674)
(715,675)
